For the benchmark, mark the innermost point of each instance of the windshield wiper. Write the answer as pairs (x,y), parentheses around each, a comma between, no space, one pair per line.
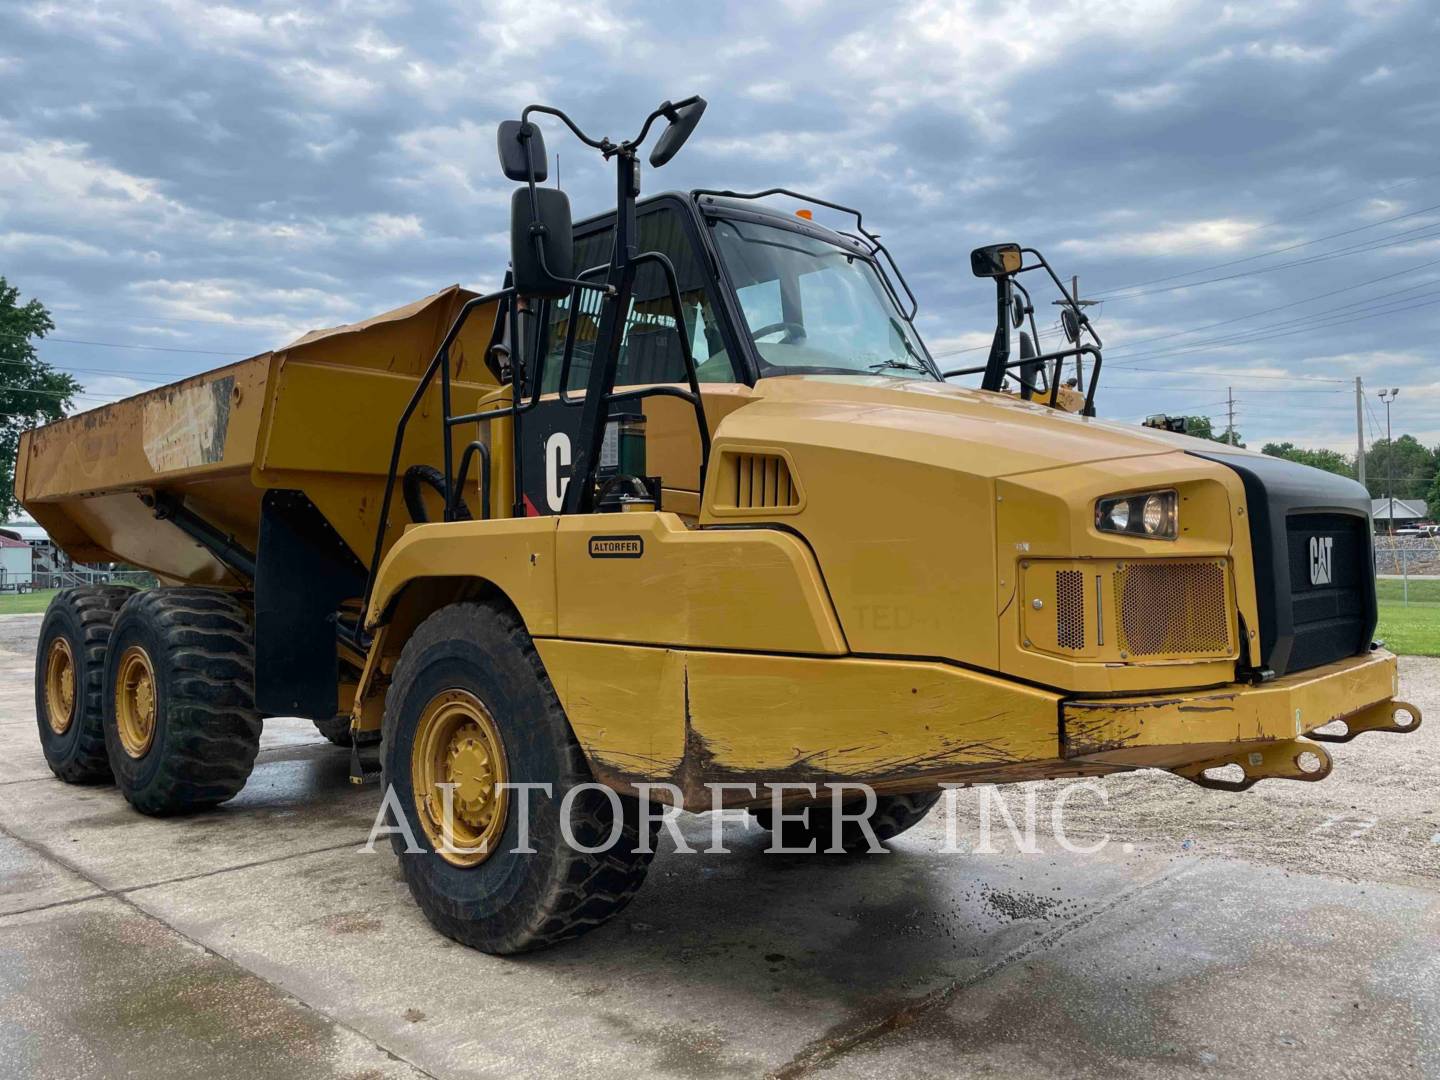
(905,340)
(903,365)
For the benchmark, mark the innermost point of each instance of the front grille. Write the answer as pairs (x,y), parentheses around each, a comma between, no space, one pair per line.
(1330,574)
(1070,609)
(1172,607)
(1147,610)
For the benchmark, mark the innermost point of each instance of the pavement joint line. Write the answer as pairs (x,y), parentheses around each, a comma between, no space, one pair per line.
(123,897)
(183,878)
(271,750)
(830,1050)
(53,904)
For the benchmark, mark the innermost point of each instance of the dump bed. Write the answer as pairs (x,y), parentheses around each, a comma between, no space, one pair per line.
(317,416)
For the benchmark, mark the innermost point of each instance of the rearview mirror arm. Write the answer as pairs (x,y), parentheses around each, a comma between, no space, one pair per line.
(999,347)
(1071,299)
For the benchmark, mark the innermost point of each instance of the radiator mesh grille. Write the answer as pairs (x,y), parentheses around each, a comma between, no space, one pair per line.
(1174,608)
(1070,609)
(760,480)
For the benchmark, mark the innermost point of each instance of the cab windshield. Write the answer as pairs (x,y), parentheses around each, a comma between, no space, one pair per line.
(813,307)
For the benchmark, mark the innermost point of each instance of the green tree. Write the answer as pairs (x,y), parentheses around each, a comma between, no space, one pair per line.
(1202,428)
(1329,460)
(1413,464)
(31,391)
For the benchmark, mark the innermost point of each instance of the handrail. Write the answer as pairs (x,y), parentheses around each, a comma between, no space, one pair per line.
(873,238)
(441,359)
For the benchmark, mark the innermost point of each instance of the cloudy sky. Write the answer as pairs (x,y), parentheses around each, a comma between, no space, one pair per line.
(1254,190)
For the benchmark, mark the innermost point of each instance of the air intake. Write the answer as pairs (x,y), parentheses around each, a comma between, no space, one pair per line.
(756,482)
(1070,609)
(1172,607)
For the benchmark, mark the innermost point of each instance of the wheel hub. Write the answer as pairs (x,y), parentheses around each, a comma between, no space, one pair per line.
(60,678)
(135,701)
(458,761)
(470,770)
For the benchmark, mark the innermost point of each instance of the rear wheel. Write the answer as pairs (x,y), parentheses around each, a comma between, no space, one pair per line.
(69,681)
(470,706)
(336,729)
(181,729)
(893,815)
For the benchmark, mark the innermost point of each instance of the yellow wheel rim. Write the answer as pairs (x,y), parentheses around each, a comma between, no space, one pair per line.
(135,701)
(60,686)
(457,743)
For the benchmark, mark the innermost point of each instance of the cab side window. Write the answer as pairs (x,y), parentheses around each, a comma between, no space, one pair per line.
(651,351)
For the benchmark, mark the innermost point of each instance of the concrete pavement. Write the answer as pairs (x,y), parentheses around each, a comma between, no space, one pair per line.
(1290,929)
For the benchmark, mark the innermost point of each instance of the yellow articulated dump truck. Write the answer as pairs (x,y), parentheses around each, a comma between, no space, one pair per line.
(685,512)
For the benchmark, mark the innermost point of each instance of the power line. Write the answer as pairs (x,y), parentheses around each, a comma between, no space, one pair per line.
(1272,251)
(1229,374)
(1312,211)
(1249,315)
(1262,334)
(1338,316)
(1405,237)
(1282,307)
(118,373)
(124,345)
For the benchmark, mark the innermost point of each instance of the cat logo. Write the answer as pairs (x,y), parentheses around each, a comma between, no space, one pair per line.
(1321,553)
(616,547)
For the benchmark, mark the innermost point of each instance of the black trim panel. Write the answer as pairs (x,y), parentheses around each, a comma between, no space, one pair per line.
(1277,490)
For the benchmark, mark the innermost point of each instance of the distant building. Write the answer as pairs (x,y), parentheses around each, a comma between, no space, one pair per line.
(45,565)
(1407,512)
(15,560)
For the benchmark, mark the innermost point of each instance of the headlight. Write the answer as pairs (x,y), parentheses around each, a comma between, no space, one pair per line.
(1152,514)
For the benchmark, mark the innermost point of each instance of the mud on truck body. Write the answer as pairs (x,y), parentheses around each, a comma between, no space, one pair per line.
(686,503)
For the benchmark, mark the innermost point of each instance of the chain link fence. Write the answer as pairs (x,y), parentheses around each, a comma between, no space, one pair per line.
(38,580)
(1406,556)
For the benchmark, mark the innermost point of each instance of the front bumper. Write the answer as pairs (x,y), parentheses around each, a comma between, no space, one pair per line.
(1258,728)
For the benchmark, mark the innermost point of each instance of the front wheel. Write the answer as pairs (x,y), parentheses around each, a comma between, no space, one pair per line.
(470,708)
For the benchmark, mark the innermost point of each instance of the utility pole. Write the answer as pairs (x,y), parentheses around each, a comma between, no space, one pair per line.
(1075,294)
(1390,456)
(1230,415)
(1359,431)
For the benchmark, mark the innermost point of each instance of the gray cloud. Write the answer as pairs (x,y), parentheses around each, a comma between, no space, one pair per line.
(220,178)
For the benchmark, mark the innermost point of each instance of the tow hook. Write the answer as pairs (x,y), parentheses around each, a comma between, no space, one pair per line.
(1398,716)
(1292,759)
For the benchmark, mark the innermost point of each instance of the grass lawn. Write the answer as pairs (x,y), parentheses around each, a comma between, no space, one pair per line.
(25,603)
(1413,630)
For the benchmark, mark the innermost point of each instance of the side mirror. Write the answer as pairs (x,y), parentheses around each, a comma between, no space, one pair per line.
(682,123)
(1017,311)
(1070,324)
(996,260)
(547,232)
(513,138)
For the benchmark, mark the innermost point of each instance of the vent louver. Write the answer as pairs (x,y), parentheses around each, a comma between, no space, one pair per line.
(757,481)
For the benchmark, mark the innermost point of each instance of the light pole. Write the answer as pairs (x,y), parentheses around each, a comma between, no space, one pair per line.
(1390,454)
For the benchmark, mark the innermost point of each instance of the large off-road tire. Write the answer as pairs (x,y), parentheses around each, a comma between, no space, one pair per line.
(337,730)
(70,679)
(181,728)
(893,815)
(470,703)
